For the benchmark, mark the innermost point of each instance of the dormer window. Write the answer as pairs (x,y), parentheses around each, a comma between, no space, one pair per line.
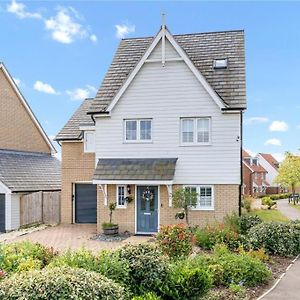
(220,63)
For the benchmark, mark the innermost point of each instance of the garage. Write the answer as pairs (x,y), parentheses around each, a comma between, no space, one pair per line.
(85,203)
(2,212)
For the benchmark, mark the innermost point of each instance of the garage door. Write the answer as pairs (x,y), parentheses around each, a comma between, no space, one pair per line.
(2,212)
(85,203)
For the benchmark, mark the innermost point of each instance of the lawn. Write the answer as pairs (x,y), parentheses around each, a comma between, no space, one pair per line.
(270,215)
(297,206)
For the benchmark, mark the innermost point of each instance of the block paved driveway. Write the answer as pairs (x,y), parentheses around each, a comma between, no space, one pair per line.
(63,237)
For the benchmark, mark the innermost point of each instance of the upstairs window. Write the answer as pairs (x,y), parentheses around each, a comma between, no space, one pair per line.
(195,131)
(89,141)
(138,130)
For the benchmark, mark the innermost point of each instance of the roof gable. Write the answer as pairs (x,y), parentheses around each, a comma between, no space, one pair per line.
(201,49)
(36,125)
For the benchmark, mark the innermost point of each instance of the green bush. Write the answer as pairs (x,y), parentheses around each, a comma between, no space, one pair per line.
(105,262)
(268,202)
(147,296)
(246,222)
(60,283)
(24,256)
(148,267)
(218,233)
(185,282)
(239,268)
(276,238)
(247,202)
(175,240)
(277,196)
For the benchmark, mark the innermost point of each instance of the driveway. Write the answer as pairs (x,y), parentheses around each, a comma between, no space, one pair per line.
(290,212)
(63,237)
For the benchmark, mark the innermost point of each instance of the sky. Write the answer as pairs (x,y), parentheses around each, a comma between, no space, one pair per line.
(58,53)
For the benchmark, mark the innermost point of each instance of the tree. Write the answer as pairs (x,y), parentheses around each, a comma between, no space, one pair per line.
(185,198)
(289,172)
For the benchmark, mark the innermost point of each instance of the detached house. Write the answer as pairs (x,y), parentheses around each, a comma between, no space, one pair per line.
(254,176)
(168,114)
(27,163)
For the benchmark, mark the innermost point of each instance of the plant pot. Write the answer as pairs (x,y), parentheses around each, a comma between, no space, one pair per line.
(113,230)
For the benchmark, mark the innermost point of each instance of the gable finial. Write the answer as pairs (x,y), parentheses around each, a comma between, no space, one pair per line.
(163,19)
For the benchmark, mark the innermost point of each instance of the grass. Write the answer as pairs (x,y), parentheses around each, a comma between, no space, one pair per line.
(297,206)
(270,215)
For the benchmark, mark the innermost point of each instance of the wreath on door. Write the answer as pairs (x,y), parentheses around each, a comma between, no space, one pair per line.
(147,195)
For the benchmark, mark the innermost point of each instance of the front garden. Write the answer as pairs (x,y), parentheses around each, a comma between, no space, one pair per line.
(237,259)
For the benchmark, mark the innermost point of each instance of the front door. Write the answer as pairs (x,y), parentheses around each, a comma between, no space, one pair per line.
(147,209)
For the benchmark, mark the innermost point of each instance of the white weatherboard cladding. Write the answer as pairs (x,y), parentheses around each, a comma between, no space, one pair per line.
(272,173)
(166,94)
(169,50)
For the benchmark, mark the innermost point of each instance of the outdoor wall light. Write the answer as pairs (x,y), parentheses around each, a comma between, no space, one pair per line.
(128,189)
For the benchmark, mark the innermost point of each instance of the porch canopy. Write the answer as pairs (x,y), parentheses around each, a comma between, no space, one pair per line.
(135,170)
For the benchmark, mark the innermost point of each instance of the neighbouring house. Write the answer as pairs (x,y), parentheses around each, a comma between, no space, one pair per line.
(168,114)
(268,162)
(255,181)
(27,163)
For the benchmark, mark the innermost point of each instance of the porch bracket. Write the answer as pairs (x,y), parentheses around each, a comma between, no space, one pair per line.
(103,188)
(169,189)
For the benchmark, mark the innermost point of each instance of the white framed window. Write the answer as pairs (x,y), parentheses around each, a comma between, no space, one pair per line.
(138,131)
(195,131)
(89,141)
(121,195)
(205,199)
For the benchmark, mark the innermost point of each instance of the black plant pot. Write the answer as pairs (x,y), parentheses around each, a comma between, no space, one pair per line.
(114,230)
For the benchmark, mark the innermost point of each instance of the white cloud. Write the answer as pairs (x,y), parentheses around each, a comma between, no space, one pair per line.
(273,142)
(64,26)
(93,38)
(19,9)
(17,81)
(256,120)
(123,30)
(279,156)
(44,88)
(279,126)
(81,93)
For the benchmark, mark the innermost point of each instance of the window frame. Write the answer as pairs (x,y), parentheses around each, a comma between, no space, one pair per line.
(86,150)
(138,139)
(117,196)
(198,188)
(195,131)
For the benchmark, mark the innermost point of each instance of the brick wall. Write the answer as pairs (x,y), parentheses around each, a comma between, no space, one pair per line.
(18,130)
(226,199)
(247,181)
(76,166)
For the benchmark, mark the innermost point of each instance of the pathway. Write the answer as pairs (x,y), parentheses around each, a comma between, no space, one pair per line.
(290,212)
(288,288)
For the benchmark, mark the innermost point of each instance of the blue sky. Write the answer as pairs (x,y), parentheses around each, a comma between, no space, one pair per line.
(60,51)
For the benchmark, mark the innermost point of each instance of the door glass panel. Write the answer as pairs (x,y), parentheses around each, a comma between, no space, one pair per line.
(143,204)
(152,202)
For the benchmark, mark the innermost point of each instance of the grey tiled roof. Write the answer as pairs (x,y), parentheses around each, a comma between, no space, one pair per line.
(29,171)
(135,169)
(71,130)
(202,49)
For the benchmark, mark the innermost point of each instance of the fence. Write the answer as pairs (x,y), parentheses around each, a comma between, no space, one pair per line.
(40,207)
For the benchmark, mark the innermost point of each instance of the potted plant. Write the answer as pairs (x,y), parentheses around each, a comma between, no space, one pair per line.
(110,228)
(129,198)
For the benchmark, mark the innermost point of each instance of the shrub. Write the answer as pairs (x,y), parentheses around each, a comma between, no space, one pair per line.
(147,296)
(105,262)
(246,222)
(218,233)
(175,240)
(239,268)
(238,290)
(60,283)
(148,267)
(276,238)
(247,203)
(186,282)
(23,256)
(268,202)
(277,196)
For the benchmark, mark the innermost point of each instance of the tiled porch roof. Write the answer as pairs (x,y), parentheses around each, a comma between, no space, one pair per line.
(135,169)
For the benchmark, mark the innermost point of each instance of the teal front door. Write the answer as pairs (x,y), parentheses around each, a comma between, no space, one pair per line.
(147,209)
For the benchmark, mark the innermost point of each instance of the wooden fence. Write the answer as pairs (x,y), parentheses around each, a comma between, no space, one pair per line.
(40,207)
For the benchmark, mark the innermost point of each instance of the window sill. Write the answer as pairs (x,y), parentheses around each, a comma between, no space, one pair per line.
(138,142)
(121,207)
(195,145)
(203,209)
